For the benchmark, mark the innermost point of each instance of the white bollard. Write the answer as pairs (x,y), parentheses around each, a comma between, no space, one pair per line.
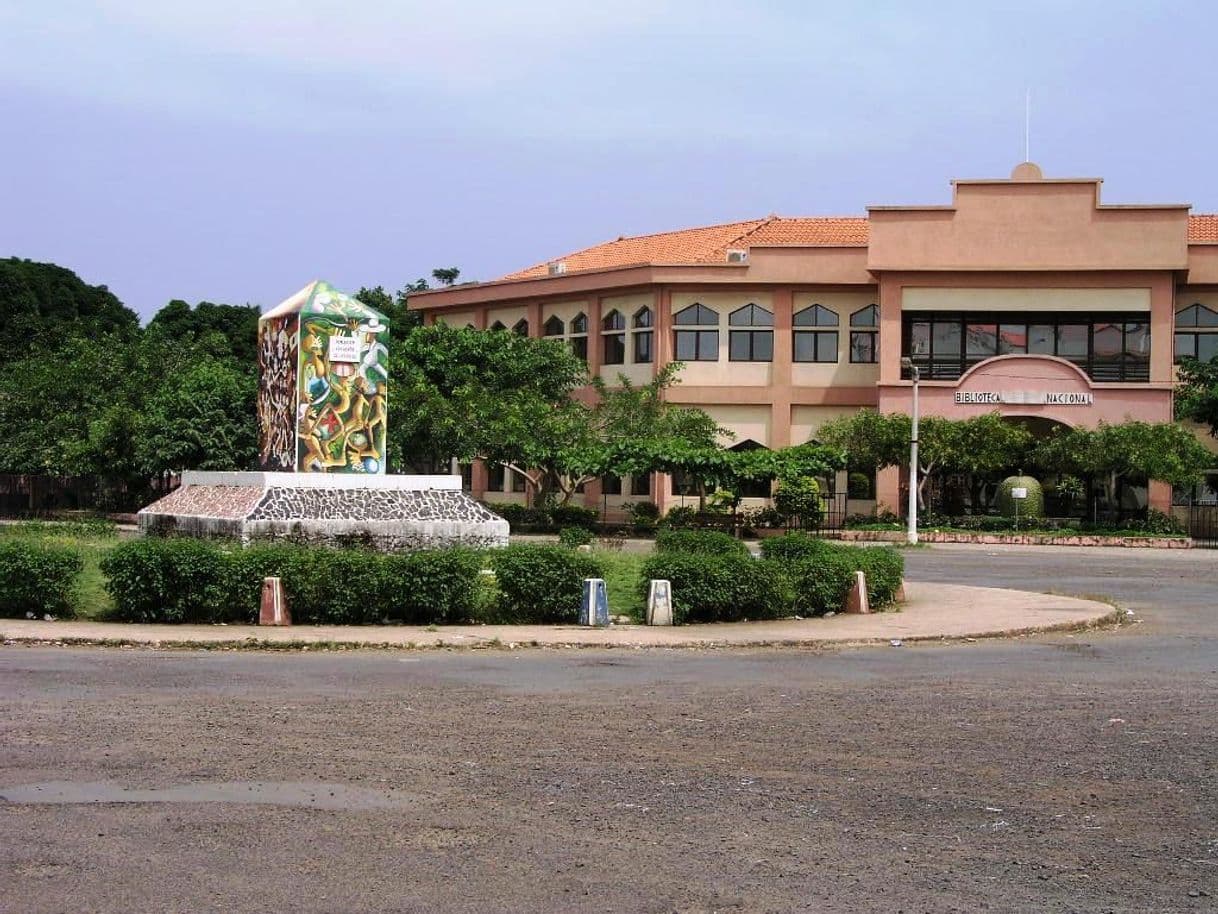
(659,602)
(594,608)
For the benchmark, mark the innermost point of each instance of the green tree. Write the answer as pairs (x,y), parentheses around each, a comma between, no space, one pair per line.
(445,276)
(1197,393)
(221,330)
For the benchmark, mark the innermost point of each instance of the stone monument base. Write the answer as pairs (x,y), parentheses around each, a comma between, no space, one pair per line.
(389,513)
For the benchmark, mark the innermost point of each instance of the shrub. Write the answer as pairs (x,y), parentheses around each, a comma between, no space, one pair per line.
(169,580)
(433,586)
(799,496)
(643,513)
(680,516)
(764,517)
(794,547)
(702,542)
(571,537)
(520,515)
(38,578)
(819,582)
(1158,523)
(1031,507)
(573,516)
(716,588)
(858,486)
(540,584)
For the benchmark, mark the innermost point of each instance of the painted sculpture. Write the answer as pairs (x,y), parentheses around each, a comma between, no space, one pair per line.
(323,378)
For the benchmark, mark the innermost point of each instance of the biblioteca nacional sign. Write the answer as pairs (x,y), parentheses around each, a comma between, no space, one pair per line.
(1042,398)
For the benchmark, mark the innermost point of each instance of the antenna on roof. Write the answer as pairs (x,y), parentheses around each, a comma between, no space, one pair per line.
(1027,126)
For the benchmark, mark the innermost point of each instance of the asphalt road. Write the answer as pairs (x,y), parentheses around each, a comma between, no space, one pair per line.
(1054,773)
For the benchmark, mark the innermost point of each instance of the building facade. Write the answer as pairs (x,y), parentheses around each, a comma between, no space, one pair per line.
(1026,295)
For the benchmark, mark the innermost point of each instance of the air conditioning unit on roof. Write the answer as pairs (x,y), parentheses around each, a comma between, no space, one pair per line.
(735,255)
(558,267)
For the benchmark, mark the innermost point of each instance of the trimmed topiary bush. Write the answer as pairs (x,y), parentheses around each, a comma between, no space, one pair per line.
(1031,507)
(794,547)
(799,497)
(169,580)
(574,516)
(819,582)
(540,584)
(702,542)
(717,588)
(38,578)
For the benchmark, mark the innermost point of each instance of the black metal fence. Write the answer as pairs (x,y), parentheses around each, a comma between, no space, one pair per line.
(1202,525)
(831,519)
(40,496)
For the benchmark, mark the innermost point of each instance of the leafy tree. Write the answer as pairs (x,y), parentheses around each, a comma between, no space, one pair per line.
(42,304)
(445,276)
(221,330)
(1197,393)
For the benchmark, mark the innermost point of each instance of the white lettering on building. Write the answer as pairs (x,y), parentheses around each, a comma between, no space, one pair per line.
(1024,397)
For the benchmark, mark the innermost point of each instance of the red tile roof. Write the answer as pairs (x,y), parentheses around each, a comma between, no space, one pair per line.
(709,244)
(1202,228)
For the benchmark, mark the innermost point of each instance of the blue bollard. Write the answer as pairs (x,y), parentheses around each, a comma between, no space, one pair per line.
(594,608)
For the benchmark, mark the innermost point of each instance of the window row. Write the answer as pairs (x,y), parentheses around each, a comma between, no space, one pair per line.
(1196,333)
(1108,347)
(757,344)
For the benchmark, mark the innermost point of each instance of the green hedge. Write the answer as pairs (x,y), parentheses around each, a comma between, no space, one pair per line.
(38,577)
(184,580)
(794,547)
(717,588)
(819,583)
(700,542)
(571,537)
(540,584)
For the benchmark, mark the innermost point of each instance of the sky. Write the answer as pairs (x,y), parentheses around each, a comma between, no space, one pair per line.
(231,151)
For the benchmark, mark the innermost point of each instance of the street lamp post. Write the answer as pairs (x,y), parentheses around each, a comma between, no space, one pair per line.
(911,535)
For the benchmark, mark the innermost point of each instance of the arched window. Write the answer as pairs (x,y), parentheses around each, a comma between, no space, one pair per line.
(499,325)
(521,327)
(814,345)
(553,326)
(1199,339)
(579,336)
(469,326)
(696,345)
(613,338)
(643,337)
(750,345)
(863,348)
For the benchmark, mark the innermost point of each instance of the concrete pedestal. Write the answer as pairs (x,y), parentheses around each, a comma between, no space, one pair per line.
(389,513)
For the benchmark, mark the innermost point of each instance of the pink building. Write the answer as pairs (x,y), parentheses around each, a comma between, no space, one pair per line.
(1026,295)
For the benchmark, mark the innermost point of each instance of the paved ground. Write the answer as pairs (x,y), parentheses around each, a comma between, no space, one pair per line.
(932,610)
(1053,773)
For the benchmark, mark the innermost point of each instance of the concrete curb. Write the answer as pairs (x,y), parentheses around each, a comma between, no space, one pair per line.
(940,613)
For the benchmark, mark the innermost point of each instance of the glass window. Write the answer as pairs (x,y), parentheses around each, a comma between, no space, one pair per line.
(494,477)
(1207,346)
(815,346)
(553,327)
(1107,341)
(642,317)
(945,339)
(611,485)
(614,320)
(751,316)
(579,324)
(614,348)
(815,316)
(751,345)
(1186,346)
(697,315)
(919,339)
(517,481)
(697,345)
(579,347)
(862,346)
(642,347)
(981,341)
(1072,341)
(866,317)
(1040,339)
(640,484)
(1197,316)
(521,327)
(498,325)
(1012,339)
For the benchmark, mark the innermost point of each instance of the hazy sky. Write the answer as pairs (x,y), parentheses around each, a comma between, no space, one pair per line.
(232,151)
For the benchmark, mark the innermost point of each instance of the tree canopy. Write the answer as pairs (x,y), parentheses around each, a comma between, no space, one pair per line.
(1197,393)
(222,330)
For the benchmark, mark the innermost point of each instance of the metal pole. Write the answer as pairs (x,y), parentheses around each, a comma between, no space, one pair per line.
(912,533)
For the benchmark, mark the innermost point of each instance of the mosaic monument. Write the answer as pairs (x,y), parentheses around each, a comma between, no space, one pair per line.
(323,387)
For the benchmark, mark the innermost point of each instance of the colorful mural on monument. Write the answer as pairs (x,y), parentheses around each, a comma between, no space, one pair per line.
(277,363)
(339,376)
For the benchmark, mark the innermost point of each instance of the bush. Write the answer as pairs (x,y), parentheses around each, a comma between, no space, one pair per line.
(38,578)
(716,588)
(799,497)
(88,528)
(574,516)
(540,584)
(520,515)
(169,580)
(701,542)
(764,517)
(643,513)
(819,582)
(1158,523)
(1031,507)
(680,517)
(794,547)
(858,486)
(184,580)
(572,537)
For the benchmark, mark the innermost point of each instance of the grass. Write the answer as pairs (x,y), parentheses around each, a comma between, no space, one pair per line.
(92,601)
(622,581)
